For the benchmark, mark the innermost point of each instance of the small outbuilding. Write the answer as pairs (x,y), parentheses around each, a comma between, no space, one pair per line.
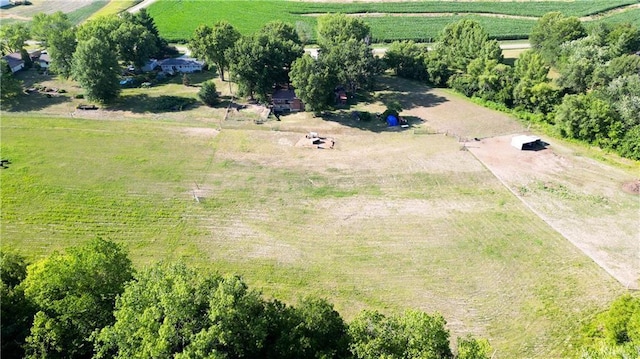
(15,61)
(285,100)
(526,142)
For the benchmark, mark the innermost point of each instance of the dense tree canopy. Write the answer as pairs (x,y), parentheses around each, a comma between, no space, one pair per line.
(89,303)
(13,37)
(614,333)
(336,29)
(551,31)
(407,59)
(45,27)
(213,43)
(313,83)
(464,41)
(16,311)
(96,68)
(10,87)
(74,294)
(264,59)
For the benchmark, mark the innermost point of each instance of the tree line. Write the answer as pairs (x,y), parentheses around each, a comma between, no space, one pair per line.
(89,302)
(595,98)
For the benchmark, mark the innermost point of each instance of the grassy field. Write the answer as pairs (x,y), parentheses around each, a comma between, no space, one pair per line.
(387,220)
(401,21)
(114,7)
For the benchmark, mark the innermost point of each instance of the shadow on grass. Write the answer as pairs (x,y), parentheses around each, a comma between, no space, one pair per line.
(143,103)
(34,101)
(388,90)
(346,118)
(409,94)
(195,79)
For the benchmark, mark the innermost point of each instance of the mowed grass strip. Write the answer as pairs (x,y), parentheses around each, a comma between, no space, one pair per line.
(248,17)
(72,180)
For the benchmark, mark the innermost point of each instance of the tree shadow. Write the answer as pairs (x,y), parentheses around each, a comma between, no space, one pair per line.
(34,101)
(143,103)
(409,94)
(378,125)
(389,89)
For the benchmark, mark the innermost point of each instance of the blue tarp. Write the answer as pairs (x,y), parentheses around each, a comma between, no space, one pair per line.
(392,120)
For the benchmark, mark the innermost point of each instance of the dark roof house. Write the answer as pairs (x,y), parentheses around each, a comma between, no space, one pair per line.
(285,100)
(15,61)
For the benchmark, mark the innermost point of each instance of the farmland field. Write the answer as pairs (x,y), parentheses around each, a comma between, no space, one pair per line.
(387,220)
(389,20)
(78,9)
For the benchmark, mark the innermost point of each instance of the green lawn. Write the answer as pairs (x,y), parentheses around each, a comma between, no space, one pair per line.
(387,220)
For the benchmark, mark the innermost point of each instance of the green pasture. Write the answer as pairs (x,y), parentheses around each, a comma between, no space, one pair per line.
(114,7)
(248,17)
(80,15)
(387,220)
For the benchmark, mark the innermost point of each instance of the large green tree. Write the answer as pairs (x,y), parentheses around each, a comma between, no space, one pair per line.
(143,18)
(102,28)
(413,334)
(213,43)
(461,42)
(532,90)
(61,50)
(75,294)
(96,68)
(551,31)
(10,87)
(312,82)
(13,37)
(262,60)
(134,43)
(407,59)
(16,311)
(351,64)
(588,118)
(336,29)
(45,27)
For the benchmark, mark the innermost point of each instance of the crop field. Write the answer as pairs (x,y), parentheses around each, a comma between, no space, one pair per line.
(78,10)
(389,20)
(387,220)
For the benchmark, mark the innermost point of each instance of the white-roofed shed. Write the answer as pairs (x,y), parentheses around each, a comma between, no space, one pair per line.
(523,142)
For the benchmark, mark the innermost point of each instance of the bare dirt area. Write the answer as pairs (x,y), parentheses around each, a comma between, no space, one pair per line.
(586,201)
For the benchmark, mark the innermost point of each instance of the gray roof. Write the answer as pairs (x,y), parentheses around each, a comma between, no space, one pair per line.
(14,59)
(180,61)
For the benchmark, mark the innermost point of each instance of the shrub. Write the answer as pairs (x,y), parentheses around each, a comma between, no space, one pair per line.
(208,93)
(79,96)
(171,103)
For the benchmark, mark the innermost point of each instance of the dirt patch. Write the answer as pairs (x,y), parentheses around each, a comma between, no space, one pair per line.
(632,187)
(578,197)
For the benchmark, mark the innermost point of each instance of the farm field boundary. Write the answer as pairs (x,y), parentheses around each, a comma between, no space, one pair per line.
(420,21)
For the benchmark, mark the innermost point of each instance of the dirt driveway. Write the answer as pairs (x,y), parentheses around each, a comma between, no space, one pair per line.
(580,198)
